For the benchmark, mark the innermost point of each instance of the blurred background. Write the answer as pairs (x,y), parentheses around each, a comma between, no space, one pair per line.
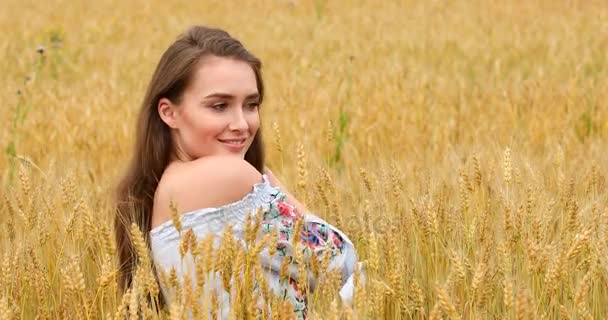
(433,125)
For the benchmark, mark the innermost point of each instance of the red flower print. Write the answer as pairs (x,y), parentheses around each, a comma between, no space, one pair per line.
(284,208)
(337,241)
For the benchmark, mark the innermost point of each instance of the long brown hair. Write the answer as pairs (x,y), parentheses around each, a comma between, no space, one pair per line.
(153,145)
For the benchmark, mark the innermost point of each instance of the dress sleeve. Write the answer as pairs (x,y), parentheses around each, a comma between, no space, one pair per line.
(315,239)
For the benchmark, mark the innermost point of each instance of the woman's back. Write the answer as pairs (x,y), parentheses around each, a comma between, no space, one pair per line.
(203,183)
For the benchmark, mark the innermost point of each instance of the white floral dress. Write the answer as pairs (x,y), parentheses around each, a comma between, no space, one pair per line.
(316,236)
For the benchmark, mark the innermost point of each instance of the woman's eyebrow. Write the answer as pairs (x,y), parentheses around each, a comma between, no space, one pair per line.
(219,95)
(252,96)
(229,96)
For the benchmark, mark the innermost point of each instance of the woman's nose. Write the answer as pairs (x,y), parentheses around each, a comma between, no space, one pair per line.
(238,121)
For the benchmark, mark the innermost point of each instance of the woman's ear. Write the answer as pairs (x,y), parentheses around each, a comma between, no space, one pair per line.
(167,112)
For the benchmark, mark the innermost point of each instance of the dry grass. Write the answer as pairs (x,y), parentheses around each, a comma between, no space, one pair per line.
(460,144)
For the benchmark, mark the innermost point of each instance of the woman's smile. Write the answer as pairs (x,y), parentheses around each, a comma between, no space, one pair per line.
(234,145)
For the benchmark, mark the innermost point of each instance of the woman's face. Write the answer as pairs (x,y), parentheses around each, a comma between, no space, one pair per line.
(218,112)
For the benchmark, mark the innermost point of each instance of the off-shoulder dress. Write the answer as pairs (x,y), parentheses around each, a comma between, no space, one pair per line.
(316,237)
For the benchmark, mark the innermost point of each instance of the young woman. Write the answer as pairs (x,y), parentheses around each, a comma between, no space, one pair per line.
(199,145)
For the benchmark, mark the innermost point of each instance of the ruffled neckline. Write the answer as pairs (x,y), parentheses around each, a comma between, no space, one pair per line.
(236,206)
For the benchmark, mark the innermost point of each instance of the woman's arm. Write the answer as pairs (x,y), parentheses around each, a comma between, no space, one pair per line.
(348,259)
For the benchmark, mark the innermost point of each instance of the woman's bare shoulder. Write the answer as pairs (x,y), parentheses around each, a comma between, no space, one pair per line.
(203,183)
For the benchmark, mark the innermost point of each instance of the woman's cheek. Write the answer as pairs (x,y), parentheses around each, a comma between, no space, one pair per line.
(254,123)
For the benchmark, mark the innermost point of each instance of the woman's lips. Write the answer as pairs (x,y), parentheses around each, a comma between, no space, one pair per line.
(232,141)
(233,144)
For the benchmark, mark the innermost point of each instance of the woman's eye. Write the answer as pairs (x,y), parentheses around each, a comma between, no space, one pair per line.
(219,106)
(253,105)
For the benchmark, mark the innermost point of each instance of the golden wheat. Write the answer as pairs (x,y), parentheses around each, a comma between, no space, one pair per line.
(459,143)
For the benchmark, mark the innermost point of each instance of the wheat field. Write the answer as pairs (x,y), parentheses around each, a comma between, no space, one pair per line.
(460,144)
